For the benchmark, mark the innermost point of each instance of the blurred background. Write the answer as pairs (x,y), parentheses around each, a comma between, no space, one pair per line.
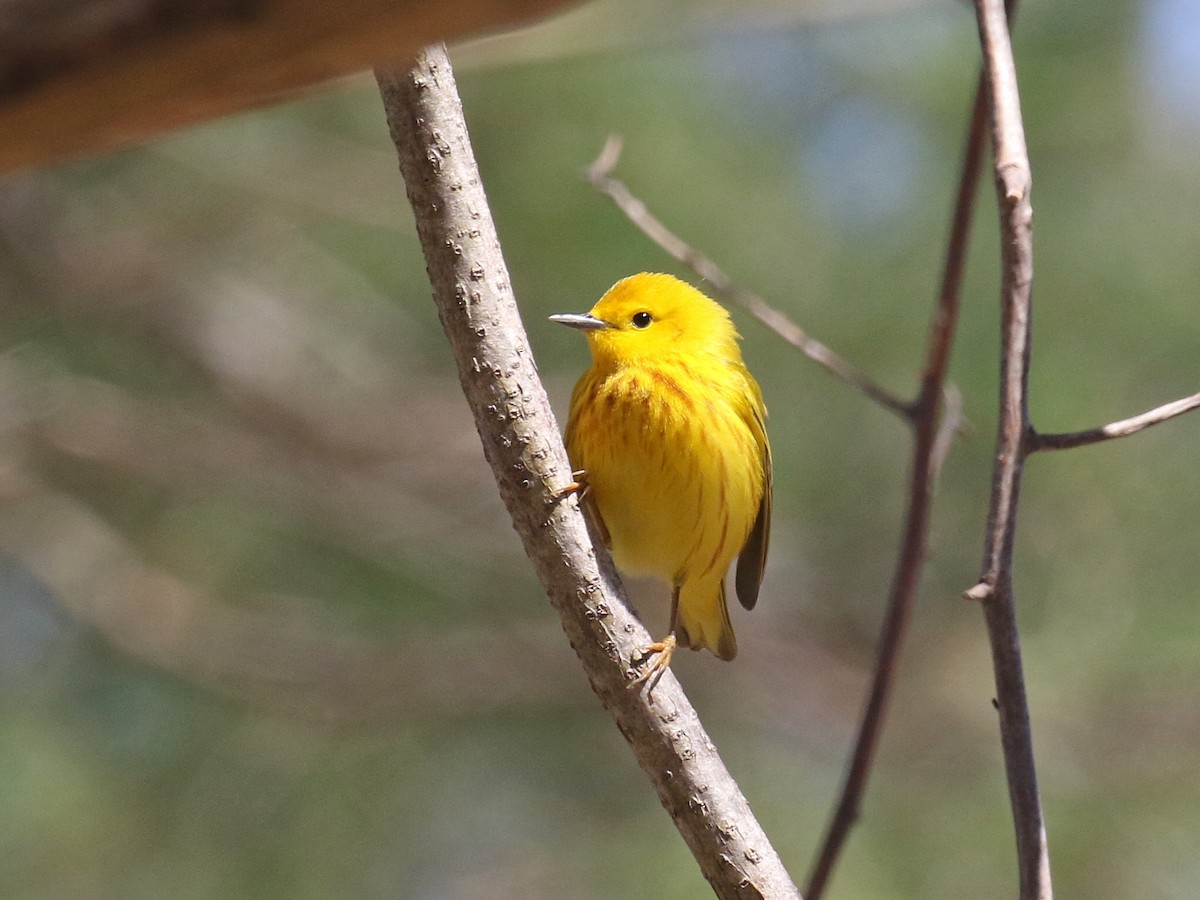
(265,629)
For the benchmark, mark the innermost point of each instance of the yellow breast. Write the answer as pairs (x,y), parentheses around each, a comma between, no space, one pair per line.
(674,466)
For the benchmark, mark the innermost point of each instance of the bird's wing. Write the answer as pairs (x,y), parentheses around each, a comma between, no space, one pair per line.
(753,558)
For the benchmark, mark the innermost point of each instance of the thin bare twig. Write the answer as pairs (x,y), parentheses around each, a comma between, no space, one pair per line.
(994,590)
(1036,441)
(600,175)
(934,431)
(521,441)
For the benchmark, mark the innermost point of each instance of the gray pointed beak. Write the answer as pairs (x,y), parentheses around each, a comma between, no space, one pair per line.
(583,322)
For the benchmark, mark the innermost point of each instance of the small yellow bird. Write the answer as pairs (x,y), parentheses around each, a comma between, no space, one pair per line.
(668,428)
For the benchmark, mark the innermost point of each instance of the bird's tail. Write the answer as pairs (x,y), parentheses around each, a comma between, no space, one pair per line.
(702,619)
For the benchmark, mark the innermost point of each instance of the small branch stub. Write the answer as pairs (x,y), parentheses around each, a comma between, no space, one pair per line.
(981,593)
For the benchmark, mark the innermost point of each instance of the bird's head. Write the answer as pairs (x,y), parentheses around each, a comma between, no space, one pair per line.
(649,316)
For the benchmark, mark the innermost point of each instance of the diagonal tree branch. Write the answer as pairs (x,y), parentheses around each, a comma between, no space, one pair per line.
(994,590)
(600,175)
(521,441)
(1037,441)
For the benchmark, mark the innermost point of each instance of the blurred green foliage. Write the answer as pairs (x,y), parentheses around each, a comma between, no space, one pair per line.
(266,632)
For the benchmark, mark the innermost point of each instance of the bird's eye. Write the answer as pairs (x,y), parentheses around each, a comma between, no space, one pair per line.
(642,320)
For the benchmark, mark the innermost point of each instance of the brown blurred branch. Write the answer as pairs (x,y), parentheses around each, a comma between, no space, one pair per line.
(1036,441)
(931,447)
(521,440)
(994,590)
(91,75)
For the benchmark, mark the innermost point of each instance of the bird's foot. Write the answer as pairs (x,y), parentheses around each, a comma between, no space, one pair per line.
(652,663)
(579,485)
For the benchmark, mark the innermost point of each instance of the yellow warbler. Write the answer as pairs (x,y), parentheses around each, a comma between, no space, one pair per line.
(668,427)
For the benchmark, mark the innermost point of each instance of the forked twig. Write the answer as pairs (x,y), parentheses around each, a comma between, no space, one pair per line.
(935,415)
